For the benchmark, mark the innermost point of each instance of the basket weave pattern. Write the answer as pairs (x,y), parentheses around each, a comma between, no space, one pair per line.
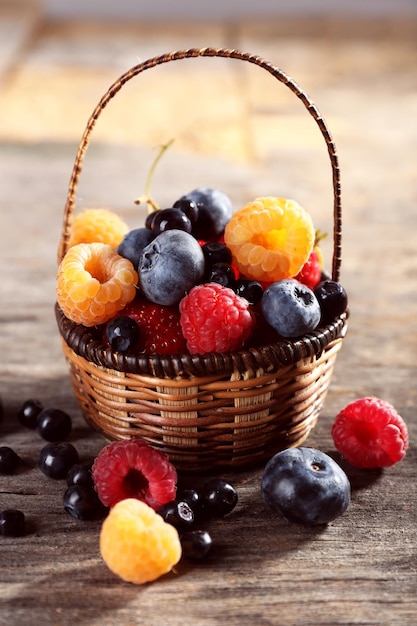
(212,410)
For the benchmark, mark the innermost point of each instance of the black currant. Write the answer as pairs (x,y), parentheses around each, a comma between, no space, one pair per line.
(28,413)
(332,298)
(178,513)
(80,474)
(53,424)
(12,523)
(189,207)
(251,290)
(223,274)
(9,460)
(56,458)
(216,252)
(218,497)
(196,544)
(83,503)
(169,219)
(122,333)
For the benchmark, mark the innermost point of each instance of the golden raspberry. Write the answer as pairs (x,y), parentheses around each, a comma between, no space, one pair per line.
(270,238)
(137,544)
(99,225)
(94,283)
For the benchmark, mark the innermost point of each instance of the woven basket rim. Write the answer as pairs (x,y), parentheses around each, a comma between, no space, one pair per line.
(85,343)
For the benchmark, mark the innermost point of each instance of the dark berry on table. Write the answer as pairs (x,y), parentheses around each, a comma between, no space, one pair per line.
(191,496)
(216,252)
(214,211)
(9,460)
(196,544)
(28,413)
(223,274)
(56,458)
(133,243)
(83,503)
(80,474)
(54,425)
(170,219)
(122,333)
(12,523)
(251,290)
(218,497)
(332,299)
(306,486)
(178,513)
(189,207)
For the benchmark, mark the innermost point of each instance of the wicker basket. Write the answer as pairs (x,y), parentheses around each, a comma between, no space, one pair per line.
(211,410)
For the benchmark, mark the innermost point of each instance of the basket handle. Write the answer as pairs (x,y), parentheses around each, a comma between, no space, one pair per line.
(209,52)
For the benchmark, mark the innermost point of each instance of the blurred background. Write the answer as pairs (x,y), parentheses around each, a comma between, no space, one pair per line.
(233,127)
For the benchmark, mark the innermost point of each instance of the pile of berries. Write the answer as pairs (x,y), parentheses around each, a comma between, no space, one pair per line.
(198,277)
(150,521)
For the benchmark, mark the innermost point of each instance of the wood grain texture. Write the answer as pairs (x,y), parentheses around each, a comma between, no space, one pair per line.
(362,568)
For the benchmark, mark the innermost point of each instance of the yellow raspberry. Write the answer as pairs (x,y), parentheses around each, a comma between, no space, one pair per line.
(94,283)
(270,238)
(137,544)
(99,225)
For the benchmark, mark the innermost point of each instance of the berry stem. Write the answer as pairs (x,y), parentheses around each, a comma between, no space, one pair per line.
(152,206)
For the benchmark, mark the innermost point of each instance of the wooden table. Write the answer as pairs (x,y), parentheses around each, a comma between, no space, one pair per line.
(360,569)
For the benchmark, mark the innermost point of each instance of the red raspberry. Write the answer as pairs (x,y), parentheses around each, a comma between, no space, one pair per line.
(369,433)
(134,469)
(215,319)
(310,273)
(159,327)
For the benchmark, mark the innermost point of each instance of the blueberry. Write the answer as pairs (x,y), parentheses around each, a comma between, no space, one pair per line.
(170,266)
(332,299)
(9,460)
(28,413)
(178,513)
(214,211)
(83,503)
(218,497)
(53,424)
(56,458)
(80,474)
(306,486)
(122,333)
(290,308)
(133,243)
(170,219)
(12,523)
(196,544)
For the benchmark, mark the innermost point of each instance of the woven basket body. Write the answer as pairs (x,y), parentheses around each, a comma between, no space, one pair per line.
(213,410)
